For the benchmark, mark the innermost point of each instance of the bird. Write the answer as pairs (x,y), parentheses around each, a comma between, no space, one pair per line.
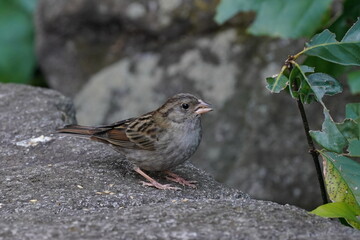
(155,141)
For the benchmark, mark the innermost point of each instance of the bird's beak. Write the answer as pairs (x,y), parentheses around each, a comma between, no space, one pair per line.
(203,107)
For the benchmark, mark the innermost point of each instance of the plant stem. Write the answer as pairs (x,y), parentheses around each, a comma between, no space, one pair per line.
(313,151)
(315,155)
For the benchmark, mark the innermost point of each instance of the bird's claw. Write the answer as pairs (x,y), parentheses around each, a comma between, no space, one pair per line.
(176,178)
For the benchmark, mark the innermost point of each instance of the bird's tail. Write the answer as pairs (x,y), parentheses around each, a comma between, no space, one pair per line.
(80,131)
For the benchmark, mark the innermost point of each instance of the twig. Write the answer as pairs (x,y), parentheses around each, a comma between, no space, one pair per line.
(312,149)
(313,152)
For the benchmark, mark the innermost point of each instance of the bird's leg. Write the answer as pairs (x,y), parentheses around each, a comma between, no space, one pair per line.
(152,182)
(176,178)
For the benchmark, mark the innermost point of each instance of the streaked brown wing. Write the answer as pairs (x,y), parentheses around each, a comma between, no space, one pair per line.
(115,134)
(136,133)
(118,137)
(143,132)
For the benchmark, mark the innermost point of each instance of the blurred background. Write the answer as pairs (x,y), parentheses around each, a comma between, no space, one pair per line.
(120,58)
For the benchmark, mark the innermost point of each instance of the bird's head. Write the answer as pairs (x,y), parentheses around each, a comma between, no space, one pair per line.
(184,107)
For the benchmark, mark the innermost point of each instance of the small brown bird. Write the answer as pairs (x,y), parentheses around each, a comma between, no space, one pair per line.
(156,141)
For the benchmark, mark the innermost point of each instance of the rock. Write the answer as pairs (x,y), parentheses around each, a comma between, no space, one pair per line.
(60,187)
(76,39)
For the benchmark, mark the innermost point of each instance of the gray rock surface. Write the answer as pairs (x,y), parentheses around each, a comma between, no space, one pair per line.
(57,187)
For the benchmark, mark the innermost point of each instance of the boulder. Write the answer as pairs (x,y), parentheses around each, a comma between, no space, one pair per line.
(60,187)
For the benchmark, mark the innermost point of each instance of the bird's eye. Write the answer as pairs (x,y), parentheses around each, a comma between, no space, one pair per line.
(185,106)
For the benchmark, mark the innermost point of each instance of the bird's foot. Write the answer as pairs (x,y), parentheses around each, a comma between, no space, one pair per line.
(176,178)
(152,182)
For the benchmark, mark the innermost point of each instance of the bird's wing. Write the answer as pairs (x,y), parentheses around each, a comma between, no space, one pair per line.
(115,134)
(136,133)
(143,131)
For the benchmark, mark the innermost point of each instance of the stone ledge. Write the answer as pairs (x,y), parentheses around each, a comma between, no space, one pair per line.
(57,187)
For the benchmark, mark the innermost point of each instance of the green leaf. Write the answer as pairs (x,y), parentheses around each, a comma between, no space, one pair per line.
(277,18)
(322,84)
(342,179)
(306,69)
(349,128)
(325,46)
(306,94)
(338,210)
(352,110)
(229,8)
(322,38)
(329,137)
(28,5)
(17,58)
(323,66)
(280,18)
(354,148)
(317,84)
(297,78)
(353,35)
(278,83)
(354,82)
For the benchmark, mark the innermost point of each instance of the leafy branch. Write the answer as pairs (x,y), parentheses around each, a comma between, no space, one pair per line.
(340,141)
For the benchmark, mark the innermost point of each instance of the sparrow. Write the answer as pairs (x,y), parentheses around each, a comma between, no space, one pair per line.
(156,141)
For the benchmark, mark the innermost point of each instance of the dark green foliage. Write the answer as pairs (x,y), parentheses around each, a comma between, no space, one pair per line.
(311,81)
(338,140)
(278,18)
(17,57)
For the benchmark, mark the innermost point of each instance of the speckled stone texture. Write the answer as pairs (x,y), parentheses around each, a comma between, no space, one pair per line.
(57,187)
